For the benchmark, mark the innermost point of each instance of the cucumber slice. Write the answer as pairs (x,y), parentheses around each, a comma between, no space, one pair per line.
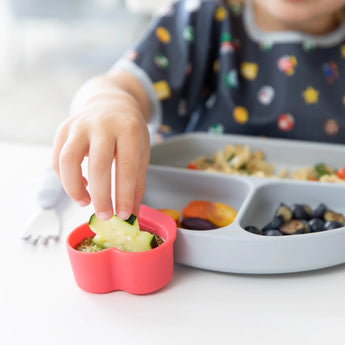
(121,234)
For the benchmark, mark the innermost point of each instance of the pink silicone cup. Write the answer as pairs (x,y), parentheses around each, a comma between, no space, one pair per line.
(113,269)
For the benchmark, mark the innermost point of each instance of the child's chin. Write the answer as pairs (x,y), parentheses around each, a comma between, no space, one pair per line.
(293,15)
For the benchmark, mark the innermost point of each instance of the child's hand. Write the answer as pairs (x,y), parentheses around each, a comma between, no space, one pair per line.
(110,126)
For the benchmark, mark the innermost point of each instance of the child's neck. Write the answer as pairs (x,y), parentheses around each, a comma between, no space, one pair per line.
(266,22)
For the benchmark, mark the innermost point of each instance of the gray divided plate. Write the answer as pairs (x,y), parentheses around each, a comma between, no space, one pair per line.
(231,248)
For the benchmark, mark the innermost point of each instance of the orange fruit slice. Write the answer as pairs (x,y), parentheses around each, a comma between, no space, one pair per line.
(175,214)
(196,208)
(220,214)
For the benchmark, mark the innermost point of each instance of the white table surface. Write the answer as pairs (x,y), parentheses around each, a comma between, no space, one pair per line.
(41,304)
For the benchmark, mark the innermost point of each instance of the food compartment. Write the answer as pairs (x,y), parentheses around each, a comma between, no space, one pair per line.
(294,208)
(290,159)
(178,190)
(236,250)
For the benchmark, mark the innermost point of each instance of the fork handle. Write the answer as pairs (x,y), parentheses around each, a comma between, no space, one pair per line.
(49,190)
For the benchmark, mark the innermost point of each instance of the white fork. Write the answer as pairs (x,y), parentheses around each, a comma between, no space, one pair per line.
(45,225)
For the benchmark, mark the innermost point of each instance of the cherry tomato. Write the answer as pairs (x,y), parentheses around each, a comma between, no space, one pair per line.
(341,173)
(192,166)
(312,179)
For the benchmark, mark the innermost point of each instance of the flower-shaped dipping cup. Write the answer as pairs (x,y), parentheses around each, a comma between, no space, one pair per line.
(113,269)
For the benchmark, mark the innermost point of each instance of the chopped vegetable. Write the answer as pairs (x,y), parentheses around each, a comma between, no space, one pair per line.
(230,157)
(341,173)
(192,165)
(121,234)
(322,169)
(312,179)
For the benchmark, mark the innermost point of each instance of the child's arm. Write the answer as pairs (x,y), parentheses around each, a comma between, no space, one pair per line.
(108,120)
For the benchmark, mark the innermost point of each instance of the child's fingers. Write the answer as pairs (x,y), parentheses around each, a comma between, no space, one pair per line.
(71,156)
(101,156)
(141,181)
(127,165)
(139,190)
(59,141)
(85,182)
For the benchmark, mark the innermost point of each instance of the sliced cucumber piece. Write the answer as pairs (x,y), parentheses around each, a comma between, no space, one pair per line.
(121,234)
(142,242)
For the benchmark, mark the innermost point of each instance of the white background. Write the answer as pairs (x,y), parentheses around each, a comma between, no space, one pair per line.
(48,48)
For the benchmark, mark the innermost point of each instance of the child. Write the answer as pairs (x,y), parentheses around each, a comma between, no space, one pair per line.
(273,68)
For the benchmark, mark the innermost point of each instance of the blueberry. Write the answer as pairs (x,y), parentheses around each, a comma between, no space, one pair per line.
(273,232)
(333,224)
(300,211)
(275,223)
(307,228)
(254,230)
(316,225)
(319,211)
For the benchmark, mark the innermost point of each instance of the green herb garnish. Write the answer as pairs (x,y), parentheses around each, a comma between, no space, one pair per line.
(230,157)
(322,169)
